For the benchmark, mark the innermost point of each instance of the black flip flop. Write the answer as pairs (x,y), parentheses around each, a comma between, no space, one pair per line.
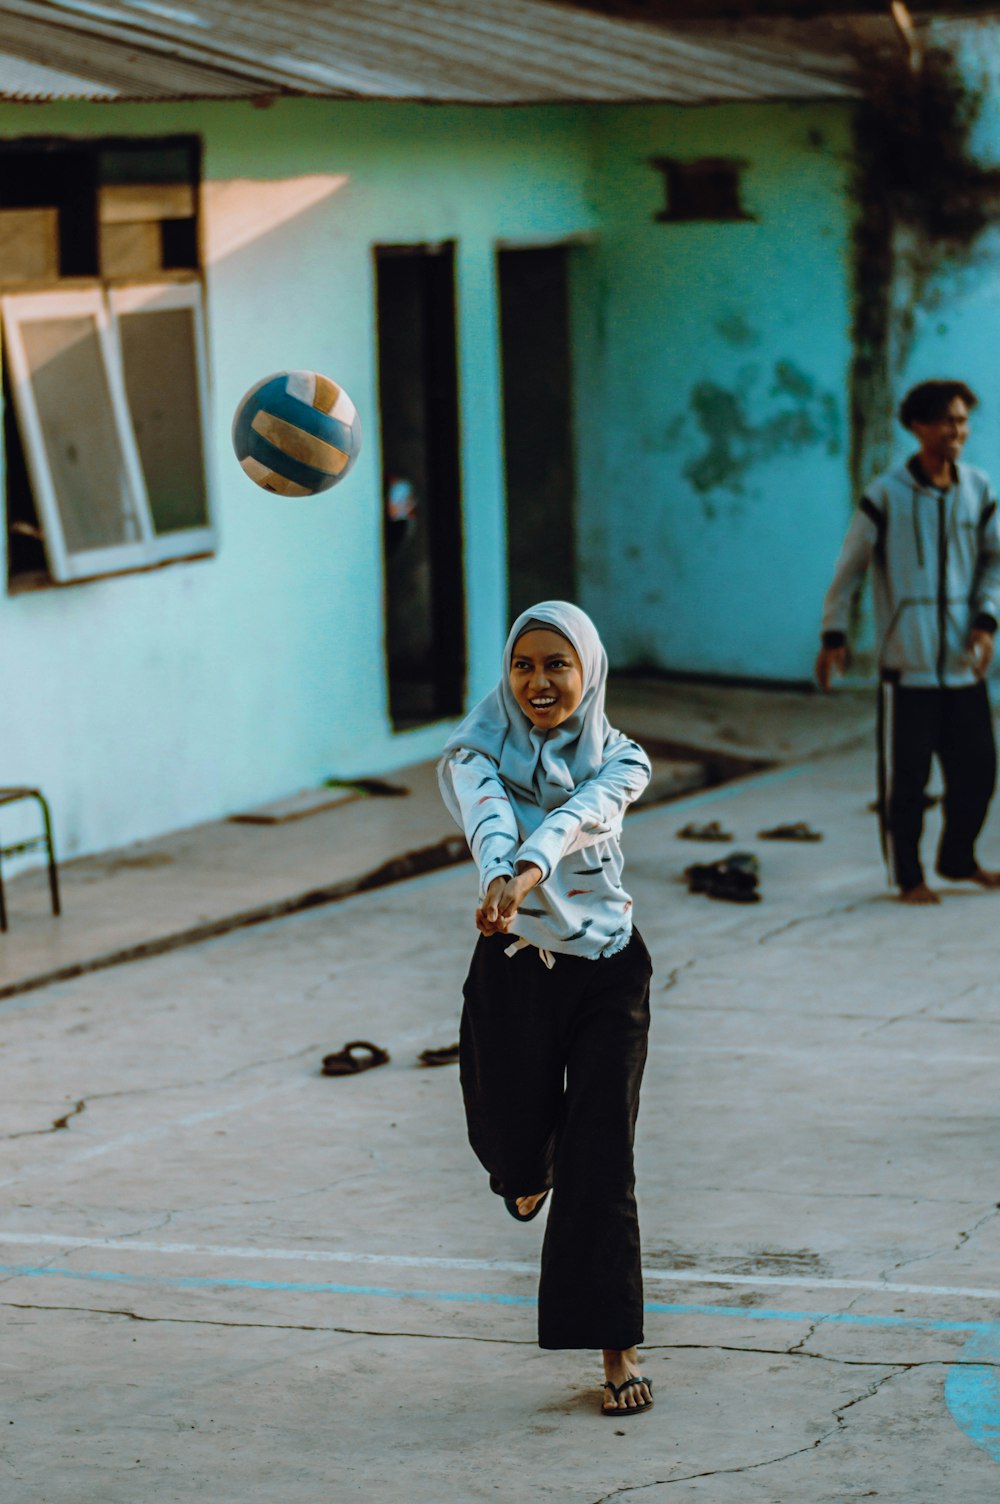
(446,1055)
(510,1202)
(616,1389)
(713,831)
(798,832)
(346,1063)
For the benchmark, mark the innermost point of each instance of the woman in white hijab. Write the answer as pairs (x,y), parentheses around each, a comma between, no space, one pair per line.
(556,1014)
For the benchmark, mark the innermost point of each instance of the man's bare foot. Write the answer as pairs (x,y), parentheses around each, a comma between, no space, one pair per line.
(620,1365)
(526,1204)
(985,879)
(921,894)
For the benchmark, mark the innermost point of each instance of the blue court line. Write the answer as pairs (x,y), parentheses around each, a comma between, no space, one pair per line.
(972,1391)
(475,1297)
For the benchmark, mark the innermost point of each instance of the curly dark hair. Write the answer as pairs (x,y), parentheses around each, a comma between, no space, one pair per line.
(929,402)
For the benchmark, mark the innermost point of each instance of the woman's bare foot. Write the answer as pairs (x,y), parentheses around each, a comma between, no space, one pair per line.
(526,1204)
(620,1365)
(921,894)
(985,879)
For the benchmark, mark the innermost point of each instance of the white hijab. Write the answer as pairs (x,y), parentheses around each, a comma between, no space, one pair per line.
(540,769)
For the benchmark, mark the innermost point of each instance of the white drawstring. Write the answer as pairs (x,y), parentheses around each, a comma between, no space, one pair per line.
(520,943)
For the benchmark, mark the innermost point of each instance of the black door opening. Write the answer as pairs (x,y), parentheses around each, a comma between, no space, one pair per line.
(538,425)
(422,526)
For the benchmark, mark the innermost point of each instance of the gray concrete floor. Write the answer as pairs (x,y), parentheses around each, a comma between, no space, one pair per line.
(222,1275)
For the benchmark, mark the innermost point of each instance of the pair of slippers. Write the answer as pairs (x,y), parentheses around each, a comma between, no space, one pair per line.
(735,878)
(361,1055)
(713,831)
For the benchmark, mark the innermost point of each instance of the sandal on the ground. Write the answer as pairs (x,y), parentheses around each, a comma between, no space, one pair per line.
(446,1055)
(616,1390)
(799,832)
(510,1202)
(713,831)
(359,1055)
(735,878)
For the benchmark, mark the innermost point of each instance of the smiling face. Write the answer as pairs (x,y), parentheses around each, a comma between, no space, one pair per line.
(942,440)
(546,677)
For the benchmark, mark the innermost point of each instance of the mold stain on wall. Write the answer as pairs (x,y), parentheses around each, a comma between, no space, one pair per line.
(801,416)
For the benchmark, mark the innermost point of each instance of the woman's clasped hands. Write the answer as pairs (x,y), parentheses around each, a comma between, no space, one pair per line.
(504,897)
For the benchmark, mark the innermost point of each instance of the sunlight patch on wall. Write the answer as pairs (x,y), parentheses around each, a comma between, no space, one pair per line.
(240,210)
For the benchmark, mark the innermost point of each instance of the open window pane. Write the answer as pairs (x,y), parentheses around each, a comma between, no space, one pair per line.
(163,358)
(79,432)
(74,424)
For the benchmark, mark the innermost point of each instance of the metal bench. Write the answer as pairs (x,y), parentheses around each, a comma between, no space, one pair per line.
(42,842)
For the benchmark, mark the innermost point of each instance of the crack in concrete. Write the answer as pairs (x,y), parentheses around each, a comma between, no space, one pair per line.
(898,1366)
(674,977)
(57,1125)
(786,1352)
(715,1472)
(963,1239)
(966,1237)
(908,1017)
(142,1091)
(798,1348)
(267,1326)
(232,1075)
(791,924)
(837,1429)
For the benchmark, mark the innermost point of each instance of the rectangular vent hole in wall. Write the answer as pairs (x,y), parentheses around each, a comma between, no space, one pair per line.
(708,188)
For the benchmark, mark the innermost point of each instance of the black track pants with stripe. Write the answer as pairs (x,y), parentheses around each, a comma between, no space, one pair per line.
(915,725)
(551,1064)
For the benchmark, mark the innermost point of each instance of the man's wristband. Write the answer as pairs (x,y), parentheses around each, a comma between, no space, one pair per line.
(834,639)
(985,622)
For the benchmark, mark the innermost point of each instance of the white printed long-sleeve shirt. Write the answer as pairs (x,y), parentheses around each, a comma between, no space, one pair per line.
(579,907)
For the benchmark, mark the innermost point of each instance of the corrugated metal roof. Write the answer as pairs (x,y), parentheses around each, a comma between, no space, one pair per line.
(445,51)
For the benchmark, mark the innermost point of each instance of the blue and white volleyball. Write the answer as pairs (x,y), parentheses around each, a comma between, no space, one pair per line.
(296,433)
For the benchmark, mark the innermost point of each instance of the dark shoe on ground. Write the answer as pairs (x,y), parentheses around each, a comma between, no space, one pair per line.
(799,832)
(734,878)
(446,1055)
(359,1055)
(713,831)
(510,1202)
(620,1411)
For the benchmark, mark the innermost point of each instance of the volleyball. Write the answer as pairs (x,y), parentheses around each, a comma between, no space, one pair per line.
(296,433)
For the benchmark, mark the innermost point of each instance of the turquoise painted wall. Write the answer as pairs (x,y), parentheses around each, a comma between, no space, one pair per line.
(147,702)
(713,388)
(711,377)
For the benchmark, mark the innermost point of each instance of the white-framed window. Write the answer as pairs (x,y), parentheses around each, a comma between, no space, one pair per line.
(105,366)
(109,393)
(161,339)
(80,453)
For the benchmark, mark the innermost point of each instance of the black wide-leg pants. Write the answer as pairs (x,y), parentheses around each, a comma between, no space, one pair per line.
(956,726)
(551,1066)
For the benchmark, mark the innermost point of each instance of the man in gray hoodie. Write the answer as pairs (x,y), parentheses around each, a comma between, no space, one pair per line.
(930,531)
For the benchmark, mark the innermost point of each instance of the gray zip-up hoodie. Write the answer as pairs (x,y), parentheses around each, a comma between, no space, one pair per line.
(936,557)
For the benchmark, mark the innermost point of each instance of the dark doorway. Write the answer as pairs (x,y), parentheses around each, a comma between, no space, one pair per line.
(538,425)
(422,526)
